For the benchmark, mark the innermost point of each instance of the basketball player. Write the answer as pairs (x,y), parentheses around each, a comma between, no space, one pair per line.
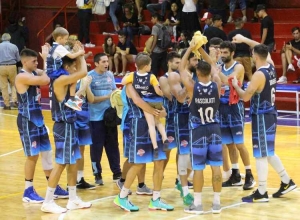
(261,92)
(181,117)
(205,133)
(232,117)
(67,149)
(173,61)
(83,129)
(140,153)
(33,133)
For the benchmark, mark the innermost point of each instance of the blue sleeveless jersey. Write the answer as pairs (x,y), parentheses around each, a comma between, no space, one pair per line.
(264,102)
(144,88)
(225,88)
(60,112)
(53,64)
(29,104)
(204,105)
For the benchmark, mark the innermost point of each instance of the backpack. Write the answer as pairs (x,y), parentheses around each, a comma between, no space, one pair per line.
(164,40)
(144,30)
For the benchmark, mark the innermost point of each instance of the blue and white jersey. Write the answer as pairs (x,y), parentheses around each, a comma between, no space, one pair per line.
(264,102)
(204,105)
(142,84)
(60,112)
(53,64)
(29,104)
(225,88)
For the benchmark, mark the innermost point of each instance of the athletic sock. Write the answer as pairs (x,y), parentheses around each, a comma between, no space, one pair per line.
(262,174)
(156,195)
(278,166)
(122,180)
(28,183)
(124,192)
(217,198)
(185,190)
(49,194)
(72,192)
(79,175)
(141,185)
(197,198)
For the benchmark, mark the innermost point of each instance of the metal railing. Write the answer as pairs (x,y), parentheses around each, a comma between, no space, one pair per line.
(41,33)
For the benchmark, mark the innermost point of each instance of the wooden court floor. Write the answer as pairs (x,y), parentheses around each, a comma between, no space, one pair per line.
(12,184)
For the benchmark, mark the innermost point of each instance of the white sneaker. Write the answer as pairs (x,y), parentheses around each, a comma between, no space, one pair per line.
(282,80)
(291,67)
(52,207)
(89,45)
(244,19)
(229,19)
(78,204)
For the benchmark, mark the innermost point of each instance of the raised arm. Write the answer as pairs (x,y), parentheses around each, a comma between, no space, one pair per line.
(175,87)
(241,39)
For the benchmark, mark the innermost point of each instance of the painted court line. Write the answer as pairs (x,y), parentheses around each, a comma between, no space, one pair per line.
(3,155)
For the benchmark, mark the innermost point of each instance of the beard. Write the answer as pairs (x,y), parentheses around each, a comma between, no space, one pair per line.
(192,69)
(226,59)
(174,70)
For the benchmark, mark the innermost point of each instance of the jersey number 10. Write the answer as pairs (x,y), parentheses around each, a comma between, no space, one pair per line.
(208,113)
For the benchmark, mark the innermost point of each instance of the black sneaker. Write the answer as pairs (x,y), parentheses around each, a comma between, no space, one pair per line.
(155,155)
(249,181)
(84,185)
(166,145)
(98,179)
(116,177)
(285,188)
(6,107)
(234,180)
(256,197)
(14,105)
(190,185)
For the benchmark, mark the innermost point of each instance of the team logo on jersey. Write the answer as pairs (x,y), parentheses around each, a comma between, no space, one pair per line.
(255,146)
(140,152)
(33,144)
(184,143)
(171,139)
(239,133)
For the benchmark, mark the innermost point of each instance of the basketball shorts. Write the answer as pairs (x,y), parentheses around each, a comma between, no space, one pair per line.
(232,123)
(34,139)
(66,143)
(182,133)
(82,126)
(126,137)
(141,149)
(263,135)
(206,142)
(170,130)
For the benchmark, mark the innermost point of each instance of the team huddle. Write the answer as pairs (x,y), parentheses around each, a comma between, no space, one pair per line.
(202,101)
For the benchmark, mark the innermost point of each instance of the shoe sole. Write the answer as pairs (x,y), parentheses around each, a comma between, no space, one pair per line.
(216,211)
(76,109)
(194,212)
(234,184)
(143,193)
(258,200)
(115,180)
(250,187)
(159,209)
(60,197)
(46,211)
(79,207)
(32,201)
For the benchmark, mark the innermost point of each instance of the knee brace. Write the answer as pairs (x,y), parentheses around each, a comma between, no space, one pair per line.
(47,160)
(184,163)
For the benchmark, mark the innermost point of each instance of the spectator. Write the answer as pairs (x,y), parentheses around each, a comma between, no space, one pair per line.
(242,7)
(207,18)
(9,56)
(113,7)
(162,5)
(84,16)
(218,7)
(173,20)
(254,4)
(109,49)
(189,17)
(157,54)
(130,22)
(289,52)
(215,30)
(125,51)
(242,51)
(49,39)
(103,84)
(17,31)
(266,28)
(184,41)
(139,8)
(214,50)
